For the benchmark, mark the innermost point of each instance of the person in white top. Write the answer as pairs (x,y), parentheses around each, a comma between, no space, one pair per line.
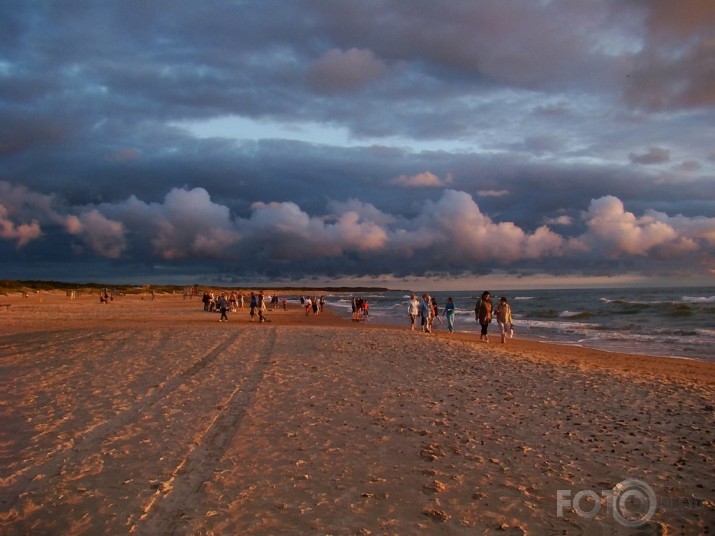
(413,309)
(503,314)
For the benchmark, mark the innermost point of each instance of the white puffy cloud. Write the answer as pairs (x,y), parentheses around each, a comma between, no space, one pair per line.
(103,236)
(191,224)
(292,233)
(448,233)
(425,179)
(23,212)
(615,232)
(286,217)
(22,232)
(367,211)
(699,229)
(186,224)
(559,220)
(456,225)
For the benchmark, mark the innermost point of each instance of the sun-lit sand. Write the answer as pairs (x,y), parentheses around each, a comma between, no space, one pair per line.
(152,417)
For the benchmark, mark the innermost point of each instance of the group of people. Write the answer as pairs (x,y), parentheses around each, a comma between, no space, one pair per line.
(427,311)
(313,305)
(105,296)
(361,309)
(484,312)
(233,301)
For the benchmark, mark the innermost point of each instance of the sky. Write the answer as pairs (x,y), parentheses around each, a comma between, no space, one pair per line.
(408,144)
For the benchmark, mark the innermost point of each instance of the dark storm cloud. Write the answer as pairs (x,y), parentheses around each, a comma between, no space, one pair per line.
(495,134)
(654,155)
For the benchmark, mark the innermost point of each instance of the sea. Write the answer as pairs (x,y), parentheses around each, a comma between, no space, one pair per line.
(672,322)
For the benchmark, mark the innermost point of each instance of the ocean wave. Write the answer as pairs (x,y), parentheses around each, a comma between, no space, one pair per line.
(609,300)
(698,299)
(556,325)
(575,314)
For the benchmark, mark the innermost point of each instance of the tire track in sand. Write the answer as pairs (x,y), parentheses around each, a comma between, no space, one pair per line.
(163,511)
(90,439)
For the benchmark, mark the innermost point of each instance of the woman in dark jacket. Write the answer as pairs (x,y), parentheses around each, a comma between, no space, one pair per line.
(483,314)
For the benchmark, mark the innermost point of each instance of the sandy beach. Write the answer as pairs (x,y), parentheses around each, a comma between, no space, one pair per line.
(149,416)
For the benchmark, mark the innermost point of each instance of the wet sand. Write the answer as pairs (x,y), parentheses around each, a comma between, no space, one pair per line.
(150,416)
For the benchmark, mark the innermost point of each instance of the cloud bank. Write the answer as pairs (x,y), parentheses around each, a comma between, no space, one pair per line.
(357,139)
(450,233)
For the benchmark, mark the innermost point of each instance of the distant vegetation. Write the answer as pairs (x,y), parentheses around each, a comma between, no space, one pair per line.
(9,286)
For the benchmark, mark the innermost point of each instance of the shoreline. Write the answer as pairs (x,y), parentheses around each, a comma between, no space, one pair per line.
(160,309)
(393,322)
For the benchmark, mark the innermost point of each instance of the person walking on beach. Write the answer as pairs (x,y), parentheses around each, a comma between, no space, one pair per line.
(261,306)
(223,307)
(413,309)
(483,314)
(435,311)
(252,306)
(449,311)
(425,313)
(503,314)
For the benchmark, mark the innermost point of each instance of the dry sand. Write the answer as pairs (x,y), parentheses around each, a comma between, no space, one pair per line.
(151,417)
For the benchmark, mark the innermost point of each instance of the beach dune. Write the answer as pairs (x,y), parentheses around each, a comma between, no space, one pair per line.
(148,416)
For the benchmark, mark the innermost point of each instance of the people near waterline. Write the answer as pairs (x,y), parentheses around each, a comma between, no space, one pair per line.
(413,309)
(503,316)
(426,313)
(483,314)
(449,311)
(435,311)
(358,308)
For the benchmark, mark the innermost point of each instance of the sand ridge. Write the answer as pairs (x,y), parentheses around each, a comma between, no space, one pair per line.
(151,417)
